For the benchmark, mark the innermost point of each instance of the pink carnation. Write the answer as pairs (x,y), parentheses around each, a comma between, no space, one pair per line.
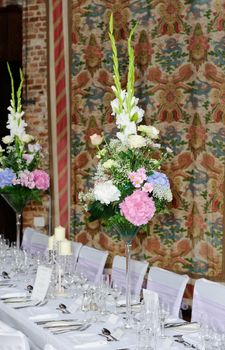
(41,179)
(138,208)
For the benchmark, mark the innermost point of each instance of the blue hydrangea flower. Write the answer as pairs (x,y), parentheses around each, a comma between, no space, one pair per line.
(160,179)
(6,177)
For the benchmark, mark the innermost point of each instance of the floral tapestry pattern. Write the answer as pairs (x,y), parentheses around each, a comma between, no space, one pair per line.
(180,80)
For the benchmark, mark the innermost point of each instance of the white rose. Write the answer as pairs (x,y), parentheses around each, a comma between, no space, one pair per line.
(108,164)
(7,139)
(96,139)
(27,138)
(106,192)
(136,141)
(149,130)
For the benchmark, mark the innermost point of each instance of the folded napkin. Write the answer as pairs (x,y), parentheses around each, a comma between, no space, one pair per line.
(86,340)
(13,295)
(44,317)
(187,328)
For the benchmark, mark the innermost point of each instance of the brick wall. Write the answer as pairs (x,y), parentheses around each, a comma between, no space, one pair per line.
(35,65)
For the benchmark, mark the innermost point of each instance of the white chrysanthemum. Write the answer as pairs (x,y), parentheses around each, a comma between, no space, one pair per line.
(109,163)
(27,138)
(106,192)
(161,192)
(7,139)
(136,141)
(149,130)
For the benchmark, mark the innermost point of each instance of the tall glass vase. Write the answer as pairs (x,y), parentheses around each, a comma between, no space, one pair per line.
(17,202)
(127,232)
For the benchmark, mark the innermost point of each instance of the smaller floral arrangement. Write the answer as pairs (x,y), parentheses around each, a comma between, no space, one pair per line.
(129,186)
(20,175)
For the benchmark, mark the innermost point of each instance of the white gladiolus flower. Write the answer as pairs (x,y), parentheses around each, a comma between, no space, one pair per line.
(136,141)
(122,119)
(106,192)
(140,113)
(7,139)
(115,106)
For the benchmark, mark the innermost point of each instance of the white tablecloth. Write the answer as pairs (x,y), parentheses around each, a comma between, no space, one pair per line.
(21,319)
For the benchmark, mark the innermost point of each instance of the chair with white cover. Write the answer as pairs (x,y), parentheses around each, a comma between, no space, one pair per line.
(26,240)
(208,305)
(39,243)
(76,247)
(11,339)
(91,263)
(138,270)
(170,287)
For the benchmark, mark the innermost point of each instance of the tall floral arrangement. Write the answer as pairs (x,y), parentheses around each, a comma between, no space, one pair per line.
(129,186)
(20,175)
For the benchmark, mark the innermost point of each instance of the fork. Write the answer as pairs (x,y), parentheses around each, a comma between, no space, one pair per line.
(179,339)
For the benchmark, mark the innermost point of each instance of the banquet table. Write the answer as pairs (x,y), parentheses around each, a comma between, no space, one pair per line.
(24,320)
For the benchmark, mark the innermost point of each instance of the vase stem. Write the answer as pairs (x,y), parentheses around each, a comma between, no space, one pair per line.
(18,228)
(128,286)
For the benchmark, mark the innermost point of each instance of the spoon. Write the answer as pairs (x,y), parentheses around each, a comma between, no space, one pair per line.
(29,288)
(63,308)
(5,274)
(106,331)
(105,336)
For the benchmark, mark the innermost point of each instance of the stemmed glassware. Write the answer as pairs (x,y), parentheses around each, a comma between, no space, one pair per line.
(164,312)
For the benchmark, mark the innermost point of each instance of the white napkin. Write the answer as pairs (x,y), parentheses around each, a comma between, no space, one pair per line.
(14,295)
(187,328)
(86,340)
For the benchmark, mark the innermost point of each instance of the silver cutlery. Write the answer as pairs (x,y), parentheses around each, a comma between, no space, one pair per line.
(178,324)
(71,329)
(63,308)
(179,339)
(27,305)
(106,331)
(39,323)
(5,275)
(106,337)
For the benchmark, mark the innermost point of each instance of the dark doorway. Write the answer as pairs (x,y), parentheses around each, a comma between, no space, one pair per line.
(11,52)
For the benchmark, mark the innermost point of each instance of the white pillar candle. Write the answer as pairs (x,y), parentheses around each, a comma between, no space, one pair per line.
(65,247)
(51,240)
(60,233)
